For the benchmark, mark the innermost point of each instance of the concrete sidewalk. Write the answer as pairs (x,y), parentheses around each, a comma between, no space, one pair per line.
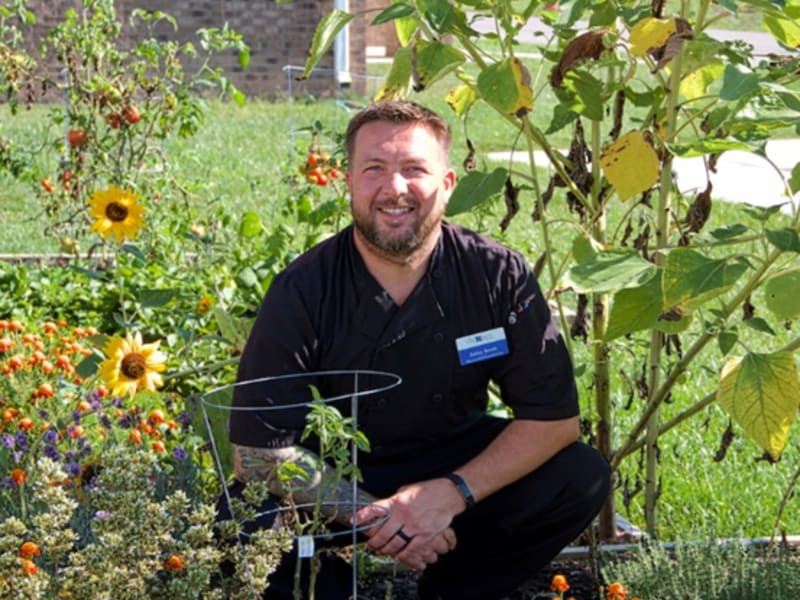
(739,177)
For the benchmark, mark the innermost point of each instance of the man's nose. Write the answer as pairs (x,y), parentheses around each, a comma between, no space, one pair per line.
(397,183)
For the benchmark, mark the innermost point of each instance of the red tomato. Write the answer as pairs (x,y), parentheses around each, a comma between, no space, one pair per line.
(76,137)
(131,114)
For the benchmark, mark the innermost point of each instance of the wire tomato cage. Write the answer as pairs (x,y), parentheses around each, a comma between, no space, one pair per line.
(281,402)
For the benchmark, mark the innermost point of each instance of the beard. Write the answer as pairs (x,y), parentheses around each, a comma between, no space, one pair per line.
(400,242)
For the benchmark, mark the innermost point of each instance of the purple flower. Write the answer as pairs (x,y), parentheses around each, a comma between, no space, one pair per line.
(102,514)
(179,453)
(74,469)
(17,456)
(116,402)
(51,452)
(8,440)
(76,416)
(106,422)
(50,436)
(45,415)
(22,441)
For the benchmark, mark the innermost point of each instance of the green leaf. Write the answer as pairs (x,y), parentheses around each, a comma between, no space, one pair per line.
(584,248)
(250,225)
(89,365)
(91,274)
(395,11)
(634,309)
(611,271)
(398,82)
(247,278)
(475,188)
(435,60)
(691,278)
(155,298)
(760,213)
(707,146)
(728,232)
(738,82)
(327,30)
(785,30)
(506,86)
(784,239)
(727,340)
(794,180)
(782,297)
(405,28)
(230,328)
(760,392)
(759,324)
(582,93)
(439,14)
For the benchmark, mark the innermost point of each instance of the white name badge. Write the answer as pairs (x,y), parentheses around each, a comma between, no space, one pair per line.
(482,346)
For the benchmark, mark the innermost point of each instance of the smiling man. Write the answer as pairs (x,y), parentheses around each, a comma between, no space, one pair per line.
(477,503)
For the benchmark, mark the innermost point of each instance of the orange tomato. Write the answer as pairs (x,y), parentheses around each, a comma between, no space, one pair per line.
(47,185)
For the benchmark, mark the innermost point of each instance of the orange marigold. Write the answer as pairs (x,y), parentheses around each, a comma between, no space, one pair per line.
(18,476)
(559,584)
(29,550)
(616,591)
(29,567)
(174,563)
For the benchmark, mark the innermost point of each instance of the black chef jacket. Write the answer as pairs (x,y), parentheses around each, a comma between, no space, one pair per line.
(326,312)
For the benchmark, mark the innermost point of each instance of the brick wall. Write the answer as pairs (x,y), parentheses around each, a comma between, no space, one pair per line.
(278,35)
(381,38)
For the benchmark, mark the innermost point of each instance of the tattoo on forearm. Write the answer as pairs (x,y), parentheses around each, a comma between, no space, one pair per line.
(266,464)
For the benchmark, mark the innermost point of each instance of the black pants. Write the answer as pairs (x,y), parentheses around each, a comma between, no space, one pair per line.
(503,540)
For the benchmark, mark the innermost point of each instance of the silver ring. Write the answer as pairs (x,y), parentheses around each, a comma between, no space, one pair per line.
(404,536)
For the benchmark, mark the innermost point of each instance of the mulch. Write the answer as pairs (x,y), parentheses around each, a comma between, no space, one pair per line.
(402,585)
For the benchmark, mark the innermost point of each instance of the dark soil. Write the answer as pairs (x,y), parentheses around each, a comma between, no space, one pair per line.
(402,585)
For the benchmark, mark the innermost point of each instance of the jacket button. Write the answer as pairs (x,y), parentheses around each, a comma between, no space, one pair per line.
(437,398)
(438,336)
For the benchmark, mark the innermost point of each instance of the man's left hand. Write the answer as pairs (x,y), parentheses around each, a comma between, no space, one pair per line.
(418,528)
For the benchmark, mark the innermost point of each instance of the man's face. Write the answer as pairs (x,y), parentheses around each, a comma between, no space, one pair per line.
(399,183)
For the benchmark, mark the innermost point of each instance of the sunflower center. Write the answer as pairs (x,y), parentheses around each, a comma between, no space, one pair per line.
(116,212)
(134,365)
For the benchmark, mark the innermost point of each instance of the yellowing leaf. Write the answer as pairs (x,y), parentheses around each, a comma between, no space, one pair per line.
(696,83)
(650,33)
(405,27)
(630,164)
(461,98)
(760,392)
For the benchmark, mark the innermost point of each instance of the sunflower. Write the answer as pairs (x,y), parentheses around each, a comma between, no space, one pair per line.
(131,365)
(116,212)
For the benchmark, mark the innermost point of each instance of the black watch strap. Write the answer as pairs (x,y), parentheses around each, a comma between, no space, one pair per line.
(462,488)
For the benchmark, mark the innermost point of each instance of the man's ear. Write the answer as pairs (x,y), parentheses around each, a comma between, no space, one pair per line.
(449,181)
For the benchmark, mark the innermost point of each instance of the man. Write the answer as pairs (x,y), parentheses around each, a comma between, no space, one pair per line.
(476,503)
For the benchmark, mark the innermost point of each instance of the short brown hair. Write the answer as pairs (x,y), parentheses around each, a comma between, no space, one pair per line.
(399,111)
